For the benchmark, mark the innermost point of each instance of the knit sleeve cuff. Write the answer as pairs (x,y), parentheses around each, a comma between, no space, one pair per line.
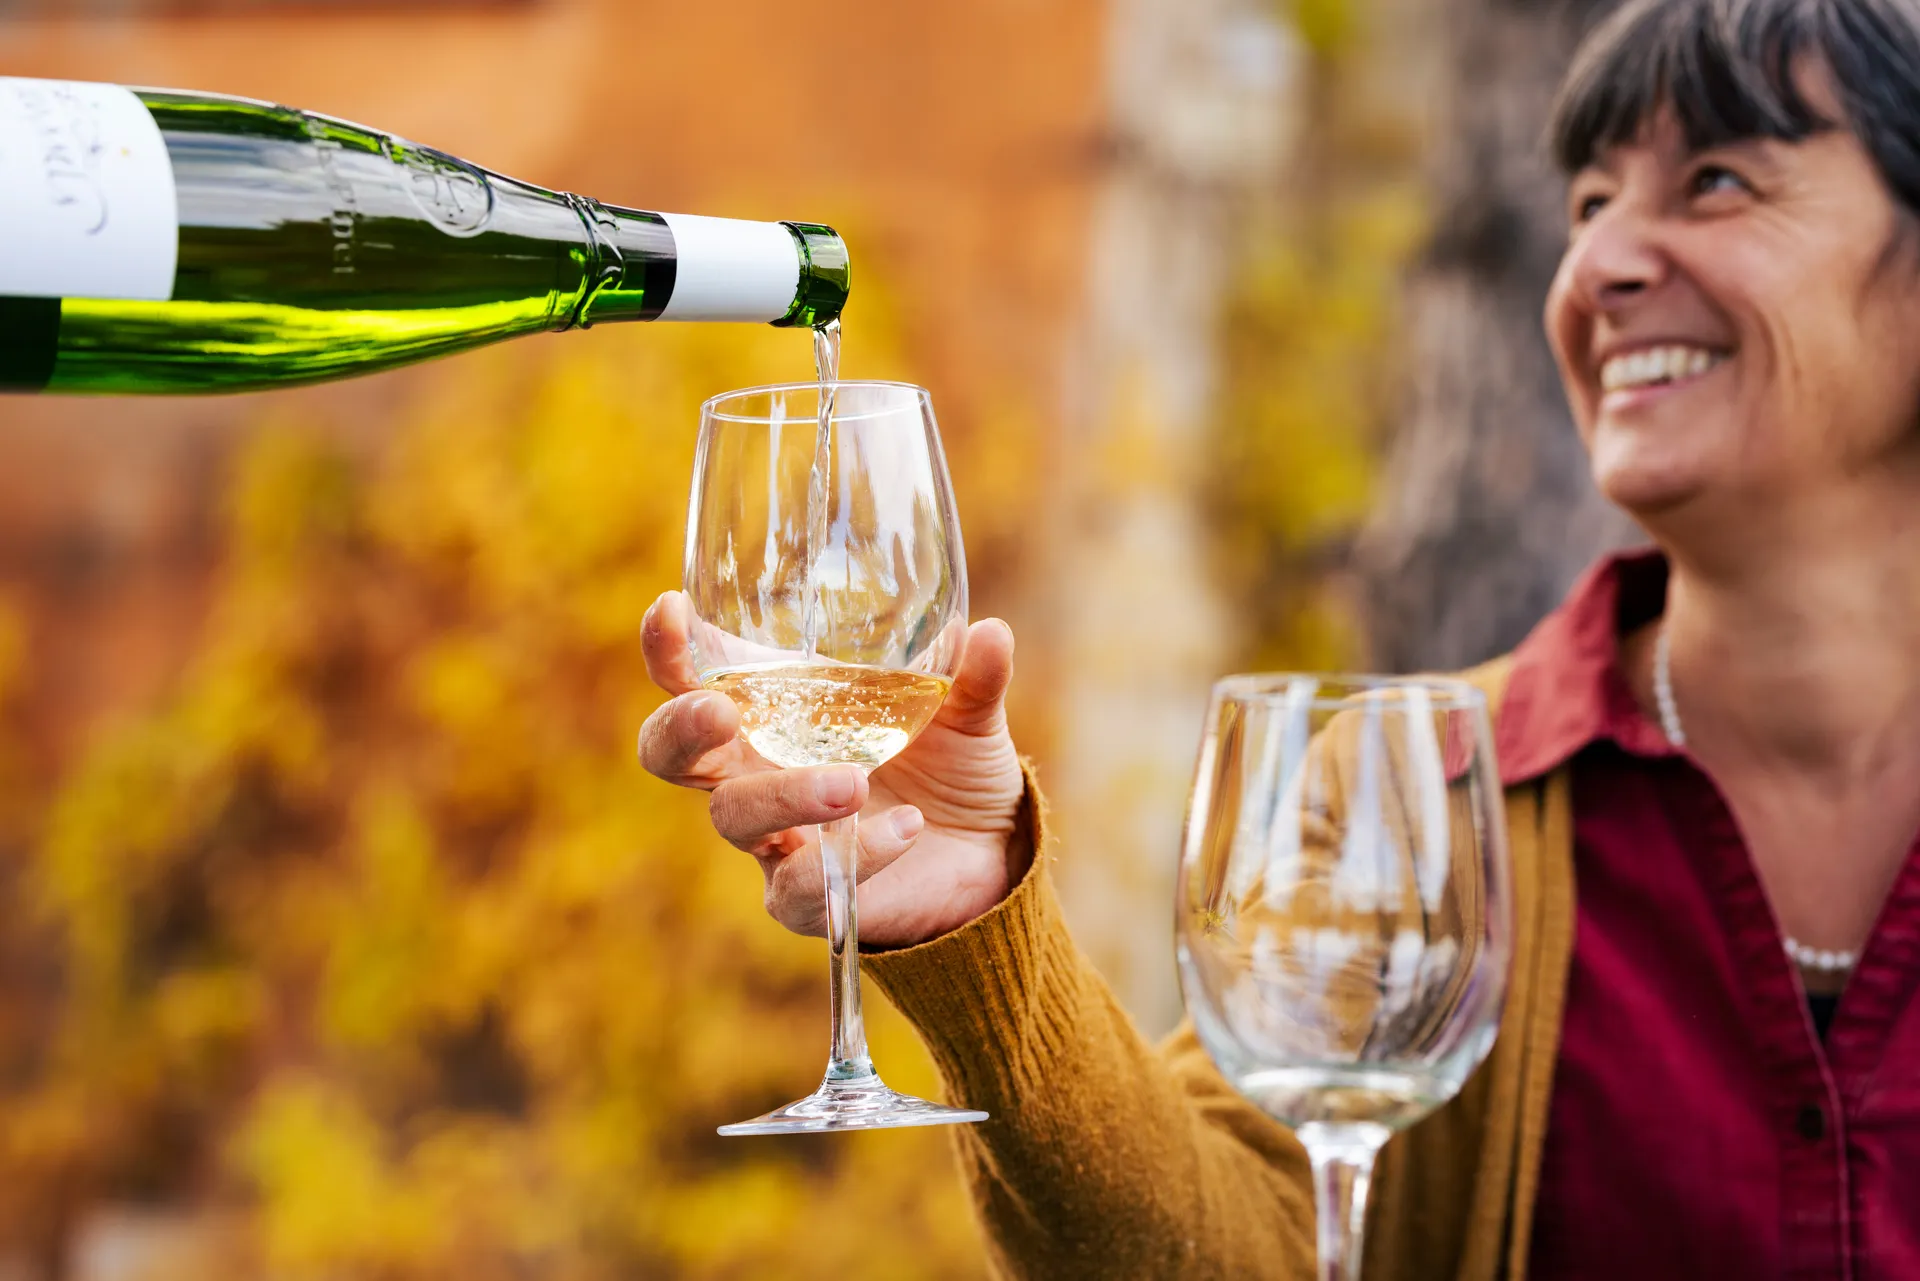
(988,999)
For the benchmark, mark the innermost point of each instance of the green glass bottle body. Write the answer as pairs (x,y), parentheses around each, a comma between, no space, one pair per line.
(307,248)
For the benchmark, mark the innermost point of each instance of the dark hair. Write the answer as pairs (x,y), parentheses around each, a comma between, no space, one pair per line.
(1726,69)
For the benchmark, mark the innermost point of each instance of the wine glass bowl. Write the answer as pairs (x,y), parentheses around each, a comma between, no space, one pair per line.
(1343,927)
(890,583)
(829,590)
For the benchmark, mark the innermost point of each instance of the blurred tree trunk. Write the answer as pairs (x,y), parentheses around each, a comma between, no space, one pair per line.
(1487,512)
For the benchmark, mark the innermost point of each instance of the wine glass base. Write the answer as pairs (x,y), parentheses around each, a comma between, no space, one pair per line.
(864,1103)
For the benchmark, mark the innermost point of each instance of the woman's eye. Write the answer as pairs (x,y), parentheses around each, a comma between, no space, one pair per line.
(1711,179)
(1587,208)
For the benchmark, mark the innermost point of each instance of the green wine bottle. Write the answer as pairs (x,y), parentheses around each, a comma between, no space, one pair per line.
(154,241)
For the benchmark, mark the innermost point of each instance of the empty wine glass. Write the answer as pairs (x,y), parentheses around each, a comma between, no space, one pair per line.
(831,605)
(1343,918)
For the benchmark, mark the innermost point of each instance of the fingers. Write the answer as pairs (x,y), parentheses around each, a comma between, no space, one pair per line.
(664,643)
(885,837)
(796,883)
(750,811)
(977,702)
(679,738)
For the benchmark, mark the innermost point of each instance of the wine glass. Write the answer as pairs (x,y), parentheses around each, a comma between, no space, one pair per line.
(829,589)
(1344,914)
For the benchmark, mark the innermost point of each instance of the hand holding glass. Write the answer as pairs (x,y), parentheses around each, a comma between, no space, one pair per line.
(1343,924)
(885,609)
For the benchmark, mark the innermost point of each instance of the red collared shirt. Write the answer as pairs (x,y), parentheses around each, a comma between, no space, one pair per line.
(1699,1126)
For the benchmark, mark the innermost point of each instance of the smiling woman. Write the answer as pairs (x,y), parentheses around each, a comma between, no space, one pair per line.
(1737,321)
(1710,1062)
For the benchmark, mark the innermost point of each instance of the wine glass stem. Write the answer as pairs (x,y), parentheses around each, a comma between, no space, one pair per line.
(839,854)
(1342,1159)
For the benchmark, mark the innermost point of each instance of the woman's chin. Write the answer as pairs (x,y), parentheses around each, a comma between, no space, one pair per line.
(1644,490)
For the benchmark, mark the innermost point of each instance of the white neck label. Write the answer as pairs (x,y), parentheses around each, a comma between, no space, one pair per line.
(87,206)
(725,269)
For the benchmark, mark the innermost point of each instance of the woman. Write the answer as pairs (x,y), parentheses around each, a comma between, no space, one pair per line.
(1710,1064)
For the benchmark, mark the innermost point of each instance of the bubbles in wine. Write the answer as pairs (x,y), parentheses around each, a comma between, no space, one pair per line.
(798,714)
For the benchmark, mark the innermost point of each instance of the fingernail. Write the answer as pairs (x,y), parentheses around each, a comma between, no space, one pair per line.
(836,788)
(705,715)
(907,822)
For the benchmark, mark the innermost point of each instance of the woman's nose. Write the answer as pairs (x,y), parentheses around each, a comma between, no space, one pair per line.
(1615,258)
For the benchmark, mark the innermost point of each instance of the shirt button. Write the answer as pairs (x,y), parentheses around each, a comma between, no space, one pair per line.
(1811,1123)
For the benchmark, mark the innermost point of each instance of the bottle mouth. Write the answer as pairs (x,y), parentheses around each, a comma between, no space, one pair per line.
(826,276)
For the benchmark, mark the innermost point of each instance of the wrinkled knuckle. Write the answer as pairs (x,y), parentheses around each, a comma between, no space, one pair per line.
(785,908)
(723,808)
(788,901)
(651,745)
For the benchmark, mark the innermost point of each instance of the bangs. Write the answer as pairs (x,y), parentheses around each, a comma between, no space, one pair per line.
(1723,67)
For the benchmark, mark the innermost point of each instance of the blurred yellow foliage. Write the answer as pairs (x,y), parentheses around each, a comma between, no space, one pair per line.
(376,936)
(1309,348)
(1324,26)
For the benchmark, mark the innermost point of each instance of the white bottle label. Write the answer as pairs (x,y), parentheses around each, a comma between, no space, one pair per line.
(87,207)
(725,269)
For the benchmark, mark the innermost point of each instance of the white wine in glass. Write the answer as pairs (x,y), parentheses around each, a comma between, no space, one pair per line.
(798,714)
(1344,923)
(829,591)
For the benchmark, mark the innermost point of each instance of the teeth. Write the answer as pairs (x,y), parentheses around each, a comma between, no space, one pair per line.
(1653,365)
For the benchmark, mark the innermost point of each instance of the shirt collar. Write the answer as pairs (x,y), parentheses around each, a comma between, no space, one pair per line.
(1566,690)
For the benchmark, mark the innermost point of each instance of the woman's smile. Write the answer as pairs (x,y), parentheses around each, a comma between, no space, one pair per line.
(1640,375)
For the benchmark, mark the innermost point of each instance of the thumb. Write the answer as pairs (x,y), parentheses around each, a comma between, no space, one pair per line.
(977,702)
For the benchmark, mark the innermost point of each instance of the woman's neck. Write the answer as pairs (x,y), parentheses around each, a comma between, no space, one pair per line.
(1796,635)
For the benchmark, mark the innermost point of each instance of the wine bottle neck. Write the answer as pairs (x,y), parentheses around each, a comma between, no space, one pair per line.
(649,266)
(631,266)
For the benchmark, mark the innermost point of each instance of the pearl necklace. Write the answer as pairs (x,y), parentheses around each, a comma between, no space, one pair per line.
(1807,958)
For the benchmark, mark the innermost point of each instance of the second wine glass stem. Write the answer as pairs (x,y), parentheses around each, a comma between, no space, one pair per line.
(1342,1157)
(839,855)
